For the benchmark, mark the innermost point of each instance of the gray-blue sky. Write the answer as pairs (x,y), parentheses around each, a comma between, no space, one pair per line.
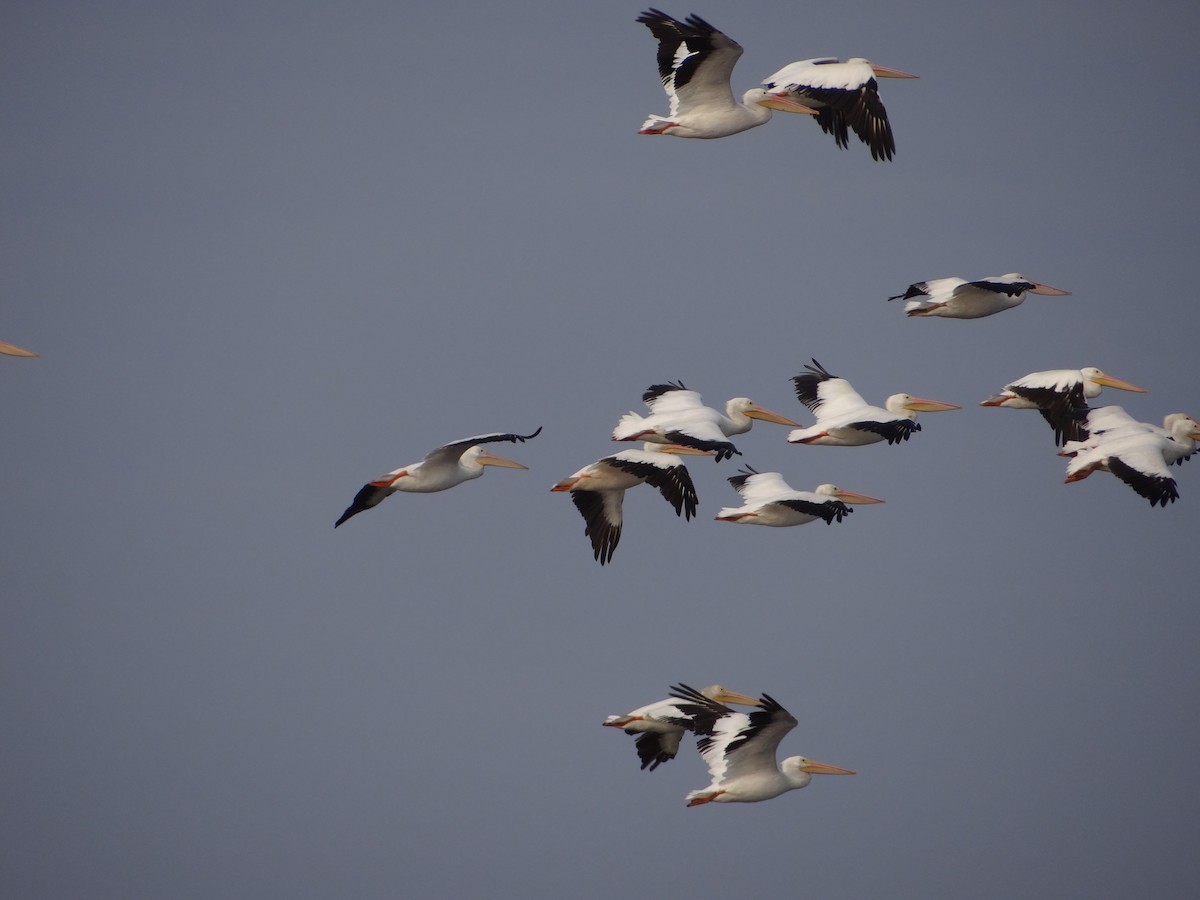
(269,251)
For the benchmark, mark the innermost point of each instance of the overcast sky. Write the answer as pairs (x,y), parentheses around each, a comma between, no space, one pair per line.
(269,251)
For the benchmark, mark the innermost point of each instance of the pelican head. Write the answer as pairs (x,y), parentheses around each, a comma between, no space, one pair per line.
(882,71)
(799,771)
(850,497)
(1095,376)
(724,695)
(1035,287)
(812,767)
(780,100)
(1182,426)
(751,410)
(480,456)
(908,403)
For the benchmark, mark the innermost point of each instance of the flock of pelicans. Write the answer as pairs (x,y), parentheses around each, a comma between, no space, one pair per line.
(695,61)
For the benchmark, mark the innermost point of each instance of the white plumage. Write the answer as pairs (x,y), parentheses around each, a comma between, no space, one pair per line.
(769,500)
(740,750)
(957,298)
(1060,395)
(845,96)
(442,468)
(598,489)
(695,62)
(679,416)
(1138,453)
(845,419)
(660,726)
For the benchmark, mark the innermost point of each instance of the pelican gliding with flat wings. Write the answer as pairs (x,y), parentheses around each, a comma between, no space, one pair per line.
(740,748)
(957,298)
(845,96)
(1061,396)
(660,726)
(845,419)
(769,500)
(679,416)
(598,489)
(695,62)
(443,468)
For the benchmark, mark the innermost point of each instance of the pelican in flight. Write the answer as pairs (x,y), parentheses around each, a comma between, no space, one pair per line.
(769,500)
(845,96)
(739,749)
(598,489)
(695,62)
(13,350)
(442,468)
(1109,421)
(678,416)
(1061,396)
(957,298)
(660,725)
(845,419)
(1138,453)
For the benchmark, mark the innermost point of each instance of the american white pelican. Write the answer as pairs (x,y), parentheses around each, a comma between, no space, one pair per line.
(13,350)
(845,96)
(1106,422)
(442,468)
(1138,453)
(1060,395)
(845,419)
(695,62)
(598,490)
(678,416)
(769,500)
(957,298)
(739,749)
(660,725)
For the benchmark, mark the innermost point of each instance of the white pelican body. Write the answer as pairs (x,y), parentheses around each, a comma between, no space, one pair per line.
(845,96)
(661,725)
(1138,453)
(598,490)
(13,350)
(845,419)
(679,416)
(957,298)
(442,468)
(769,500)
(1108,422)
(695,62)
(739,749)
(1060,395)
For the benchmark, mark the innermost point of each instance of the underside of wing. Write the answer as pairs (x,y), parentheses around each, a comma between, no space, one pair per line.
(601,510)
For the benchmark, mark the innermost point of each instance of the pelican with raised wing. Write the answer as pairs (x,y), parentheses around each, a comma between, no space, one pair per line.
(443,468)
(660,726)
(598,489)
(1138,453)
(695,62)
(769,500)
(845,96)
(740,750)
(1061,396)
(957,298)
(679,416)
(845,419)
